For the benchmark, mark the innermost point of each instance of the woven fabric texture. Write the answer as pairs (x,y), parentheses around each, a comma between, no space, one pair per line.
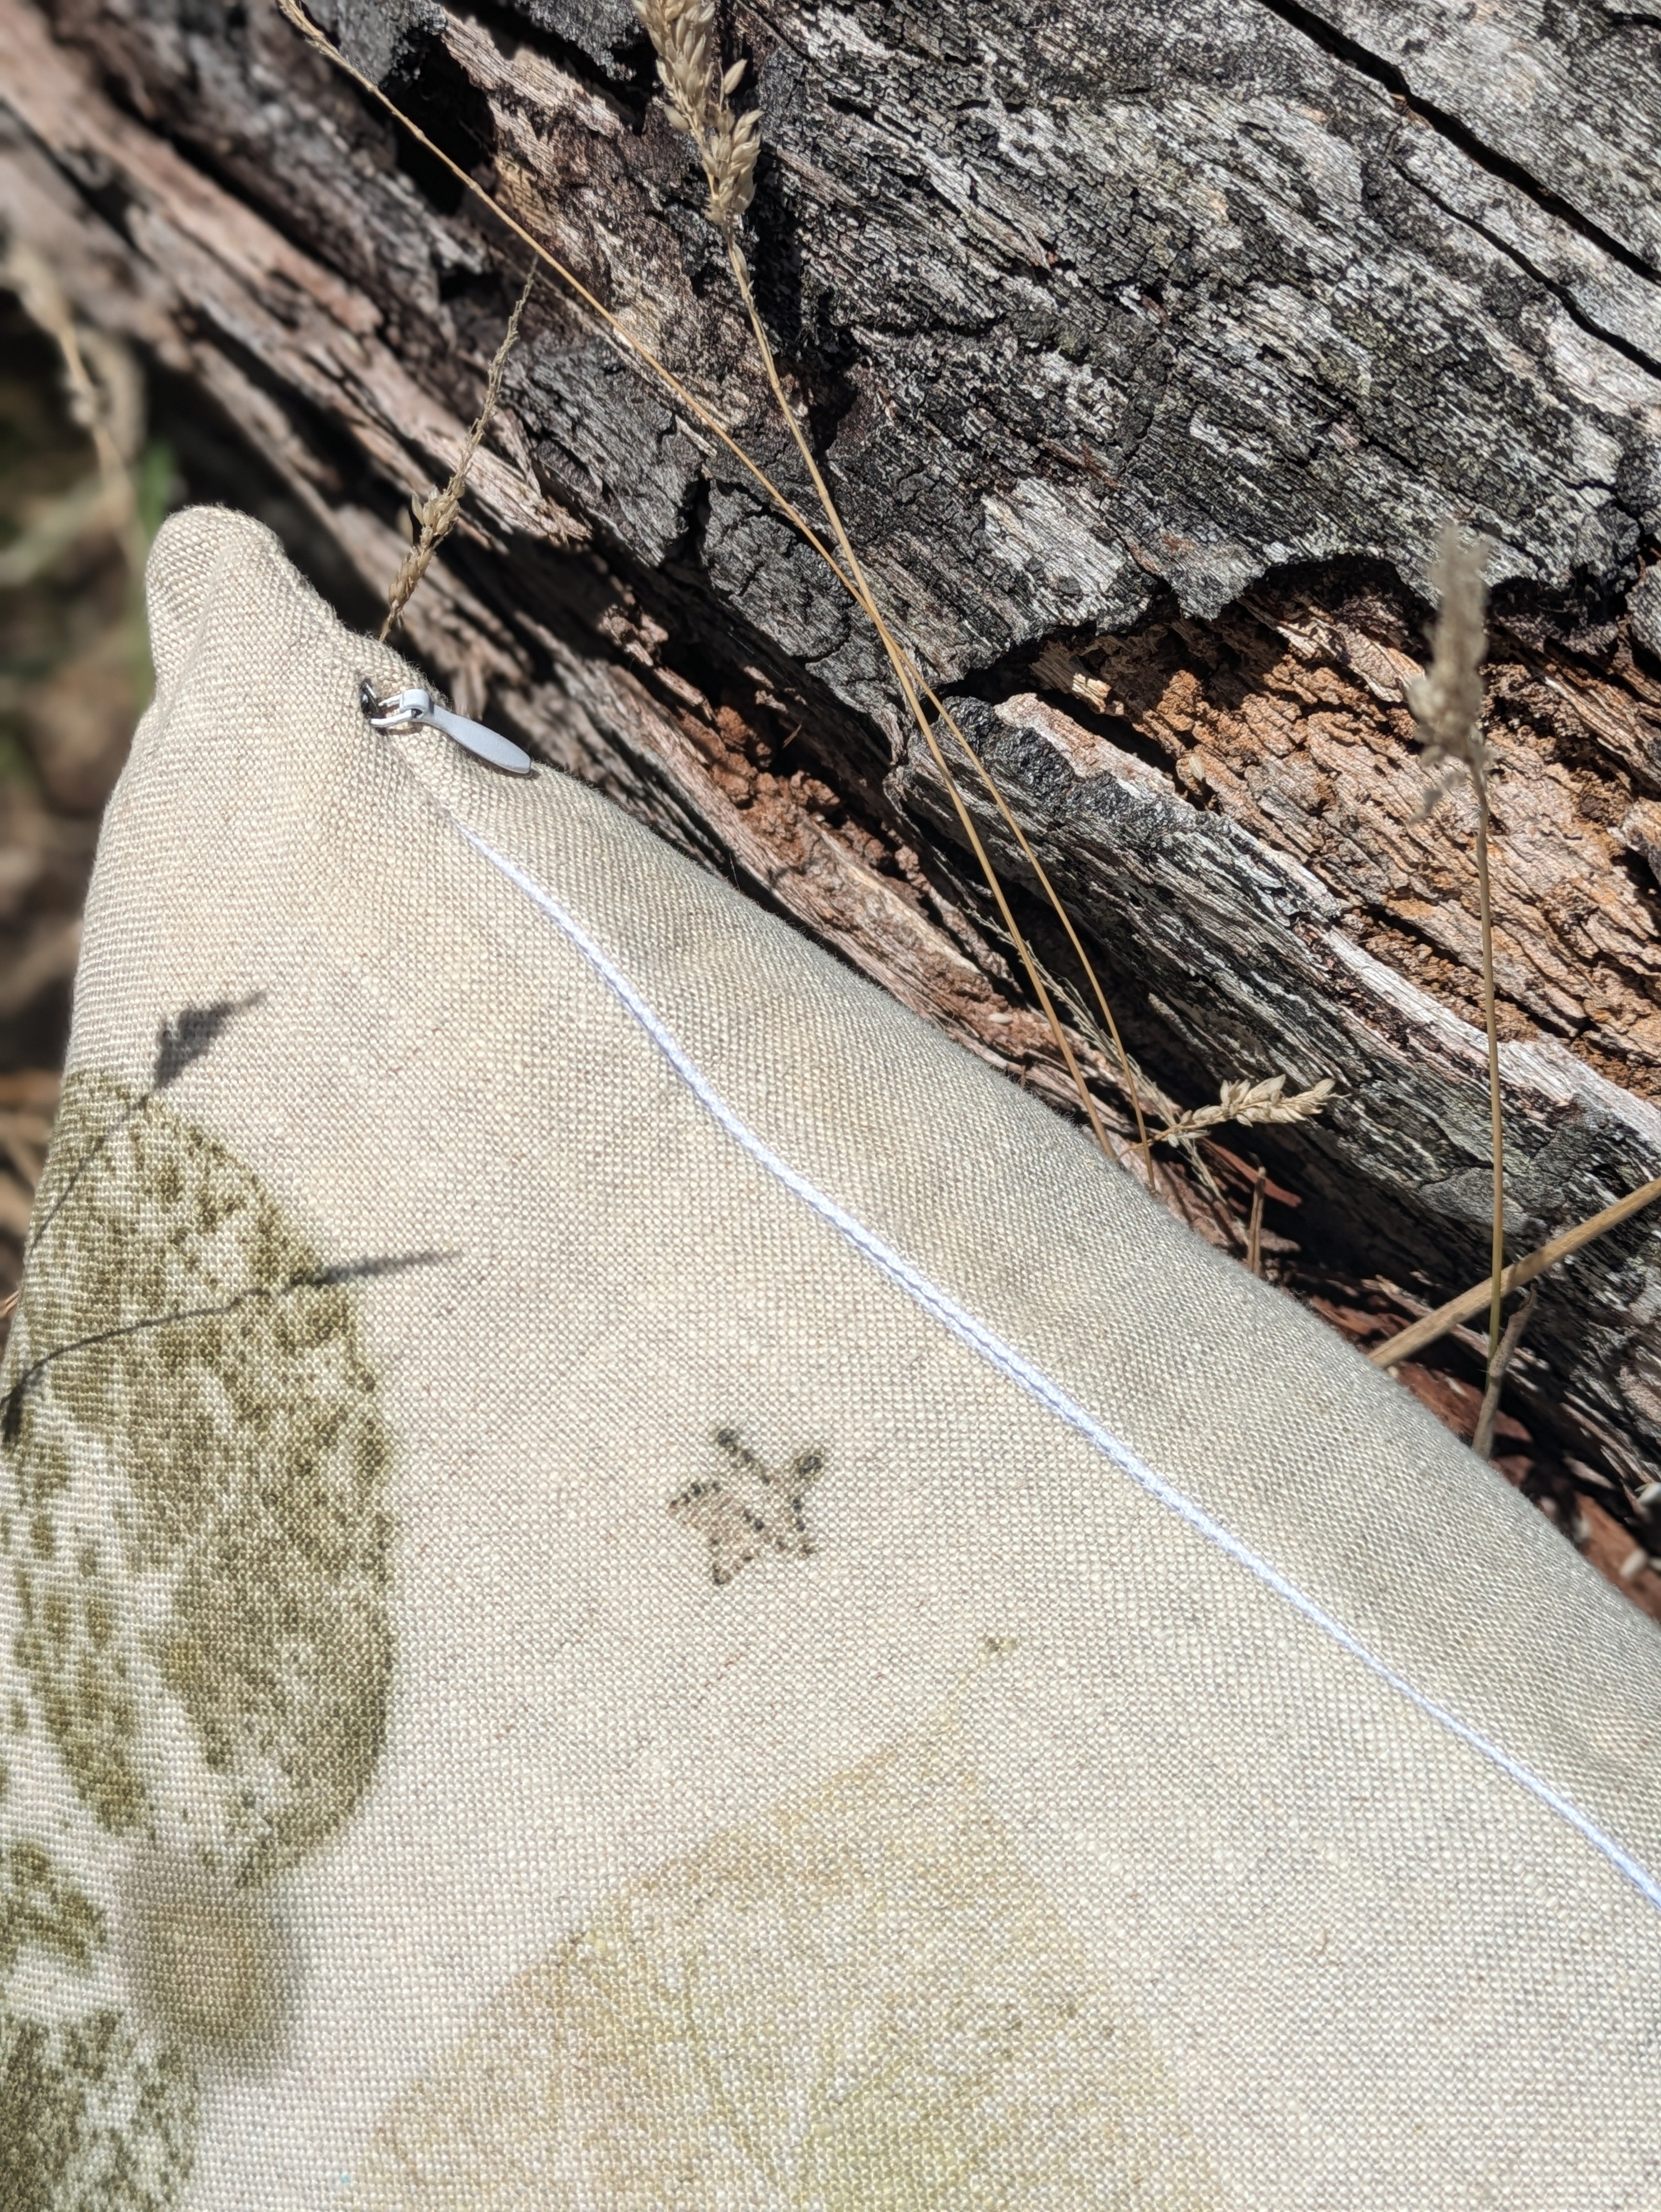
(630,1584)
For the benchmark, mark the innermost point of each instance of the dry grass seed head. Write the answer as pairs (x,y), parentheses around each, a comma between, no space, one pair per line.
(105,389)
(699,92)
(1447,702)
(101,380)
(436,514)
(1251,1104)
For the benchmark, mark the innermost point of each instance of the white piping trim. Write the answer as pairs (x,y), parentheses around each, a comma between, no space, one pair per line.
(1039,1385)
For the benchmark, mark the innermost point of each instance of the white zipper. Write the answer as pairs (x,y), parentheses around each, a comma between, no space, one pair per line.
(408,710)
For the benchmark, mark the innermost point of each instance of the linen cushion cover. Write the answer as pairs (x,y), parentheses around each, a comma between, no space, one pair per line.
(630,1582)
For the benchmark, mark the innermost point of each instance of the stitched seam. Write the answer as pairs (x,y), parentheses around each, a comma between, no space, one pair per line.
(1037,1384)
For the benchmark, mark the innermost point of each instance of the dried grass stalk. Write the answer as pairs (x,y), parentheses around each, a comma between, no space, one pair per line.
(1499,1360)
(1414,1339)
(697,91)
(106,391)
(1254,1258)
(848,577)
(436,515)
(1447,703)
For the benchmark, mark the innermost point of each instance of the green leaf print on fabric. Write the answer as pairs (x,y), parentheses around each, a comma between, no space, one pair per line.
(857,2002)
(88,2115)
(196,1653)
(40,1906)
(194,1504)
(89,2119)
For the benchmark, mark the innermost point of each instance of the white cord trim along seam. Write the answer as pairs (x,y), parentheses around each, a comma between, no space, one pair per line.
(1039,1385)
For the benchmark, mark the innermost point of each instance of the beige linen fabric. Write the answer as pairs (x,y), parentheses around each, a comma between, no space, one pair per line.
(632,1584)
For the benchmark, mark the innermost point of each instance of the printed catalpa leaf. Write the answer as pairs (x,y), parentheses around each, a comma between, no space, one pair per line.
(194,1646)
(193,1472)
(88,2117)
(91,2112)
(859,2002)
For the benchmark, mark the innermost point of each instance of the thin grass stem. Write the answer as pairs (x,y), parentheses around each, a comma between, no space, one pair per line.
(1133,1089)
(1496,1109)
(1415,1338)
(911,682)
(1254,1225)
(901,665)
(1502,1352)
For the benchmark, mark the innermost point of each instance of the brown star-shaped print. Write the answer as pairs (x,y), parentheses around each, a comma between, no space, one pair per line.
(748,1510)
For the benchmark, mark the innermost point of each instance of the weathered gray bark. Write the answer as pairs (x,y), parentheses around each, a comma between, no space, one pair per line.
(1165,334)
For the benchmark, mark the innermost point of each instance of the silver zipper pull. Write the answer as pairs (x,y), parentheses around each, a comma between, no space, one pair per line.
(405,710)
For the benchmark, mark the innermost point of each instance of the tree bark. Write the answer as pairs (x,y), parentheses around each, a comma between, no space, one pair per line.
(1147,349)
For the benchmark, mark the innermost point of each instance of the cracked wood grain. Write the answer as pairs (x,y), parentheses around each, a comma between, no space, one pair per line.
(1246,949)
(1558,95)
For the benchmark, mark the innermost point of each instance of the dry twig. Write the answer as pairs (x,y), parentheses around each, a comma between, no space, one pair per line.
(1408,1341)
(1482,1442)
(436,515)
(1254,1257)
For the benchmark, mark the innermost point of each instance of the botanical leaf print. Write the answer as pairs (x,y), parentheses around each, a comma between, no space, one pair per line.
(859,2002)
(194,1501)
(90,2118)
(87,2118)
(194,1641)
